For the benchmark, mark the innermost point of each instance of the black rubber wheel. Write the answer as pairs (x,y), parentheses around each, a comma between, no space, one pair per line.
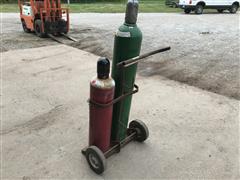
(141,128)
(187,11)
(38,29)
(96,159)
(174,5)
(220,10)
(58,34)
(234,8)
(25,29)
(199,9)
(64,26)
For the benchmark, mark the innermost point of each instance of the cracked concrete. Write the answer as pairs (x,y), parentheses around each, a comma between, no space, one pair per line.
(193,133)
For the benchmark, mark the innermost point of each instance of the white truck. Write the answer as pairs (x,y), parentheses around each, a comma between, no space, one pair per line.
(199,5)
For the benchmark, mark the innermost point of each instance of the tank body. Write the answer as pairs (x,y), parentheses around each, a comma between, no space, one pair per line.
(127,44)
(100,118)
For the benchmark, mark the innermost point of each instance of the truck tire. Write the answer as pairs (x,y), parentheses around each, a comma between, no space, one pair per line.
(199,9)
(38,28)
(187,11)
(220,10)
(174,5)
(65,26)
(25,29)
(233,8)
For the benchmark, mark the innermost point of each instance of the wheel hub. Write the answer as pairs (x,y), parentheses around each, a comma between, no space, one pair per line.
(94,161)
(37,28)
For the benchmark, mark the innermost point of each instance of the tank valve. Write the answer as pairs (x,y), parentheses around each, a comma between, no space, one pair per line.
(131,12)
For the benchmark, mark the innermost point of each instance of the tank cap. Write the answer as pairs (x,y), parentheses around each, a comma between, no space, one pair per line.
(103,68)
(131,12)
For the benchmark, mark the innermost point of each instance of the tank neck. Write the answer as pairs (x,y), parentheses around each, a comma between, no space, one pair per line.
(102,77)
(131,12)
(127,24)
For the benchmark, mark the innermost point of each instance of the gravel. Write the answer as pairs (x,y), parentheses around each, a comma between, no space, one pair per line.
(205,48)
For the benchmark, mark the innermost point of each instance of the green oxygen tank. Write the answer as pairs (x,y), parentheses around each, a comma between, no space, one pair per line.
(127,44)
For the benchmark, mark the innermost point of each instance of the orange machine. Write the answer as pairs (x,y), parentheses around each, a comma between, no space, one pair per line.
(44,17)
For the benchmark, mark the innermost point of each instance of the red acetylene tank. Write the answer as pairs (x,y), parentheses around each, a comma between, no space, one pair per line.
(102,92)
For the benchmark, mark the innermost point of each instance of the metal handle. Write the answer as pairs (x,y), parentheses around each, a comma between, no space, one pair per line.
(136,88)
(134,60)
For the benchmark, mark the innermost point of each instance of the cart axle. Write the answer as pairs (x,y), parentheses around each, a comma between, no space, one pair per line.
(117,147)
(137,131)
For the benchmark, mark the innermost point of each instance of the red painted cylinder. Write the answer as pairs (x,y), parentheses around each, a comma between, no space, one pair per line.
(100,118)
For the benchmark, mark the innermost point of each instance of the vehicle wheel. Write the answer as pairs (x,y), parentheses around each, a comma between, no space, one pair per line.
(57,34)
(174,5)
(38,28)
(63,24)
(233,8)
(220,10)
(96,159)
(141,128)
(187,11)
(25,29)
(199,9)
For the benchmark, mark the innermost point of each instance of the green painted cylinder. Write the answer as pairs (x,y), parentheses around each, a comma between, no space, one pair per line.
(127,44)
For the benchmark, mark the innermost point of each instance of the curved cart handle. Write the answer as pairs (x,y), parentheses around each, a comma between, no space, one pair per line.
(115,100)
(135,60)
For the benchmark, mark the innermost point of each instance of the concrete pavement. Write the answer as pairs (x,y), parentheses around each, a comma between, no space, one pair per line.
(193,133)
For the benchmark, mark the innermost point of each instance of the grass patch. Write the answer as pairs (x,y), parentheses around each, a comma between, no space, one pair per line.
(147,7)
(9,8)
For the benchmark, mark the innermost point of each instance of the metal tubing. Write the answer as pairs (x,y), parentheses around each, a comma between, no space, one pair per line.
(115,100)
(117,147)
(135,60)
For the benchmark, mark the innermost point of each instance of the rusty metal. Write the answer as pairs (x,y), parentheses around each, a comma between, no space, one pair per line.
(135,60)
(59,41)
(54,38)
(115,100)
(131,133)
(116,148)
(69,37)
(118,145)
